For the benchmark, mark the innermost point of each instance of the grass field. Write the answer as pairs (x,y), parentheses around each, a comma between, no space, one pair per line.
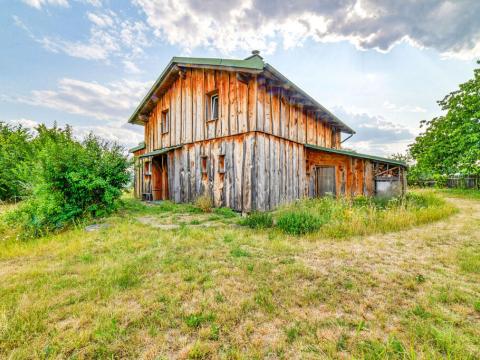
(206,287)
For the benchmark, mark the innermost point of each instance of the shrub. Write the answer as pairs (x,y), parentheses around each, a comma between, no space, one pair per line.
(15,161)
(299,222)
(73,180)
(204,203)
(258,220)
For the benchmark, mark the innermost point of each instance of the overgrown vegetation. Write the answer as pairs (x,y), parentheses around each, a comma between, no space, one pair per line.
(258,220)
(69,180)
(299,222)
(450,143)
(204,203)
(359,216)
(15,158)
(132,290)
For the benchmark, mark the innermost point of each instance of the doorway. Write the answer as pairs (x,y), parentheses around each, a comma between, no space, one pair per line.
(160,178)
(325,181)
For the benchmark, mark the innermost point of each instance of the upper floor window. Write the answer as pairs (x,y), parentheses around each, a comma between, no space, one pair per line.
(212,105)
(165,121)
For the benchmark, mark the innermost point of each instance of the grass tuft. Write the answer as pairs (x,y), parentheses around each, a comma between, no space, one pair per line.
(299,223)
(258,220)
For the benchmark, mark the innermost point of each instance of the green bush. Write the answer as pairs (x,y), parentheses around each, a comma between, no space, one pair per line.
(258,220)
(72,180)
(299,222)
(15,161)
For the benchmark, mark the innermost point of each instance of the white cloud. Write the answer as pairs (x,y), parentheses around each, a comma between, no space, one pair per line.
(28,123)
(110,37)
(451,27)
(101,20)
(403,108)
(374,134)
(111,102)
(131,67)
(39,3)
(124,134)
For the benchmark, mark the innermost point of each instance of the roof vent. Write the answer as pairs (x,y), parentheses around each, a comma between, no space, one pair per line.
(255,52)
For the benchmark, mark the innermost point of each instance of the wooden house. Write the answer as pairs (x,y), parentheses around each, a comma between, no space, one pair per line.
(242,133)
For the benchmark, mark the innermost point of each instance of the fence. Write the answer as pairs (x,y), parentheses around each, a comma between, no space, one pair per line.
(464,182)
(453,182)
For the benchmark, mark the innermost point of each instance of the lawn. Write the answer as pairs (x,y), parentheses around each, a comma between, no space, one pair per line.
(167,281)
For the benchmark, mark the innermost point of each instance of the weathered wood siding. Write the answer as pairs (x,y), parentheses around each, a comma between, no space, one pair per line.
(353,176)
(138,173)
(186,101)
(230,188)
(243,107)
(280,115)
(279,172)
(259,136)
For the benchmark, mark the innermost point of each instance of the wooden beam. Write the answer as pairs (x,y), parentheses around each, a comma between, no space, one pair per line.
(182,73)
(244,77)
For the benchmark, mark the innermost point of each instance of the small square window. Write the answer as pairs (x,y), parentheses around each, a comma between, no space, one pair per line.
(221,164)
(165,121)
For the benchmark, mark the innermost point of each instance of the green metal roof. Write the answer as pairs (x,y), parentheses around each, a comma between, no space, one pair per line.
(357,155)
(140,146)
(253,63)
(159,151)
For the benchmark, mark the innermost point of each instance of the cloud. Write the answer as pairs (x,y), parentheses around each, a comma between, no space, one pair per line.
(450,27)
(114,101)
(28,123)
(110,37)
(374,134)
(404,108)
(39,3)
(123,134)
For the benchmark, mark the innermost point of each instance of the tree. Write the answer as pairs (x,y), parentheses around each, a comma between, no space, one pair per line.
(15,156)
(451,143)
(71,180)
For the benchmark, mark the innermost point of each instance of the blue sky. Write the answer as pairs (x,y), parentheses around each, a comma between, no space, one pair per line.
(378,65)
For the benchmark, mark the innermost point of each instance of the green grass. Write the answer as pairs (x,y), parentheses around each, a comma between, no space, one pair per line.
(461,193)
(131,290)
(328,217)
(258,220)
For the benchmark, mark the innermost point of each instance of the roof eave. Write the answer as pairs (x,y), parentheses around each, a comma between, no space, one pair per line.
(357,155)
(253,64)
(340,124)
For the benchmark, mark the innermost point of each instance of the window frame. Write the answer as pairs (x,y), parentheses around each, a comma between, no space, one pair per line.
(165,121)
(209,108)
(204,164)
(221,163)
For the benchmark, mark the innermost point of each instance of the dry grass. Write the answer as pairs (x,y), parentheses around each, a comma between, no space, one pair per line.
(135,291)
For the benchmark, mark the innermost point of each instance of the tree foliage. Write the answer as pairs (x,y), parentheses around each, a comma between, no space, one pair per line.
(15,151)
(451,143)
(70,179)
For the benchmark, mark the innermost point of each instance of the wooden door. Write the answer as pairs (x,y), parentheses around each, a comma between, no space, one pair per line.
(160,178)
(325,181)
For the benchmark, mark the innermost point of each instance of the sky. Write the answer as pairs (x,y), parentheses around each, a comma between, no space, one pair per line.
(380,66)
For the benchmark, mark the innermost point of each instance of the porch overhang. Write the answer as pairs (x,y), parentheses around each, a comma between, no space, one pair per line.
(357,155)
(159,152)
